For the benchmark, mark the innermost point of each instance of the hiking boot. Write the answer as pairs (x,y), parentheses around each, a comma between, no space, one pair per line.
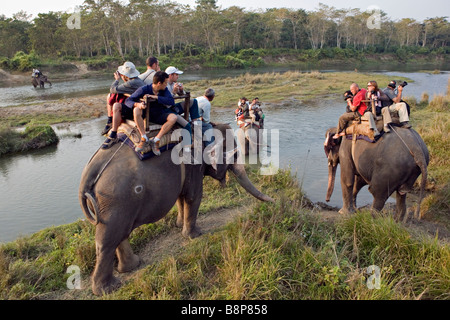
(155,146)
(386,129)
(406,125)
(106,129)
(141,146)
(109,142)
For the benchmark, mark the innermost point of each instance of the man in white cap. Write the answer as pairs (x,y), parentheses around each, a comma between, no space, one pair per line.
(116,110)
(174,87)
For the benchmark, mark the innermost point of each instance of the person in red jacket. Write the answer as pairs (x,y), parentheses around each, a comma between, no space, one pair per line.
(358,110)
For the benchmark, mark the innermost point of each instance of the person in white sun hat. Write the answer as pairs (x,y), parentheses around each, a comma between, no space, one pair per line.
(176,88)
(116,99)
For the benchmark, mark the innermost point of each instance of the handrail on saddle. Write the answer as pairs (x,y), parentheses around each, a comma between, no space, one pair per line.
(146,99)
(374,110)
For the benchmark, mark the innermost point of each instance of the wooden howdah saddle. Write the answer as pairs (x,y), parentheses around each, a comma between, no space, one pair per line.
(129,133)
(361,127)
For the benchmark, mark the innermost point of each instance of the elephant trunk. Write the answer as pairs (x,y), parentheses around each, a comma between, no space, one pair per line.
(331,178)
(244,181)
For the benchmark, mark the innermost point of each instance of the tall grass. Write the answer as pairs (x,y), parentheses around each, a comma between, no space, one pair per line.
(432,121)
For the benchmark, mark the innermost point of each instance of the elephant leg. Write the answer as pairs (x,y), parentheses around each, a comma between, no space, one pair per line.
(180,216)
(190,229)
(400,208)
(127,259)
(103,280)
(347,182)
(359,183)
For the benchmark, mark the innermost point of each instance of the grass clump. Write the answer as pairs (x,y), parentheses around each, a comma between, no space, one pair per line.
(432,122)
(34,137)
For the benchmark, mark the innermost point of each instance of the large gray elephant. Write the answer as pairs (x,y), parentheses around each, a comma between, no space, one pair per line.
(249,138)
(39,81)
(118,193)
(391,164)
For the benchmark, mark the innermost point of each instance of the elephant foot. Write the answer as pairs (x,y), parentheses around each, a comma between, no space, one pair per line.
(106,286)
(130,264)
(194,233)
(345,211)
(179,223)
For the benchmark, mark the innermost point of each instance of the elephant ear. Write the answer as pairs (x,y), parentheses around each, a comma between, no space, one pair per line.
(329,141)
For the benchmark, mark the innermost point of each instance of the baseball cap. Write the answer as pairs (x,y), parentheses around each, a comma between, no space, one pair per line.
(171,70)
(392,84)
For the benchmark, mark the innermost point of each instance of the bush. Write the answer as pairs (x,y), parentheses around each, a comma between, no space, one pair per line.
(22,61)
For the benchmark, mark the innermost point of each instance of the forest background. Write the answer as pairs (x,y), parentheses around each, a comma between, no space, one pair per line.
(104,33)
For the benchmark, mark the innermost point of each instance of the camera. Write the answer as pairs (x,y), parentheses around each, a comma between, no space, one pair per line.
(348,95)
(403,84)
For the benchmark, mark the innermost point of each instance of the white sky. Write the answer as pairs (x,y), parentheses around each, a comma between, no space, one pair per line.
(396,9)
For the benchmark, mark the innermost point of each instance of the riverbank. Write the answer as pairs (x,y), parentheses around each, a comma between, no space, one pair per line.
(271,88)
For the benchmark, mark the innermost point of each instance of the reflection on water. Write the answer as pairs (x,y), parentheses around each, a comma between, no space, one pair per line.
(40,188)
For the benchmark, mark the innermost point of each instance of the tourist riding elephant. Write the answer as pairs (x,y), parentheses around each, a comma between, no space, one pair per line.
(249,138)
(39,81)
(118,193)
(391,164)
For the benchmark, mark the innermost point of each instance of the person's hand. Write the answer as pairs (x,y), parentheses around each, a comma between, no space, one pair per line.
(117,75)
(140,105)
(400,89)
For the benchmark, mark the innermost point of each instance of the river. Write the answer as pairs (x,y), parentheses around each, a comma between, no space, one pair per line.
(40,189)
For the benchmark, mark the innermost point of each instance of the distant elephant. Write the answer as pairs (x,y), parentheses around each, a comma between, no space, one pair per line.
(39,81)
(118,193)
(249,138)
(391,164)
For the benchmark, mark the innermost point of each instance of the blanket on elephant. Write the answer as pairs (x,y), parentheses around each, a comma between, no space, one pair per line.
(129,133)
(142,156)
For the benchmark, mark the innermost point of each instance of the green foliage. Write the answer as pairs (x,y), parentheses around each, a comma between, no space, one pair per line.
(208,29)
(21,61)
(34,137)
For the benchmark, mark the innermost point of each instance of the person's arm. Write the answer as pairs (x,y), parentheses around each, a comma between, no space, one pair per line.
(135,98)
(166,98)
(398,98)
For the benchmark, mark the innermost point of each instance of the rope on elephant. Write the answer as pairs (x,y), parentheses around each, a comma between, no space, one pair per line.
(107,162)
(392,127)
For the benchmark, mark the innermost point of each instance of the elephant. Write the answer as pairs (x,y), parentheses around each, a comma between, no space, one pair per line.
(249,138)
(39,81)
(393,163)
(118,193)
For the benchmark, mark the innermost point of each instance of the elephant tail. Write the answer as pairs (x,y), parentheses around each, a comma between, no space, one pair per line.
(419,158)
(89,206)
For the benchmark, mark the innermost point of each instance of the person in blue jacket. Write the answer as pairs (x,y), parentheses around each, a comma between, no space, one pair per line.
(159,112)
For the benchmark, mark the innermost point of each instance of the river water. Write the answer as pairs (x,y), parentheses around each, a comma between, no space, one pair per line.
(40,189)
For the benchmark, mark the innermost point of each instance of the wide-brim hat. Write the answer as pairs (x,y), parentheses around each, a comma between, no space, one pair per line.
(128,69)
(171,70)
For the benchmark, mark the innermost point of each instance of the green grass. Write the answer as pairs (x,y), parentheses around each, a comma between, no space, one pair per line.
(272,251)
(278,87)
(34,137)
(432,121)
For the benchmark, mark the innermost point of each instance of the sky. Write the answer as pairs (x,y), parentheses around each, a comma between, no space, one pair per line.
(395,9)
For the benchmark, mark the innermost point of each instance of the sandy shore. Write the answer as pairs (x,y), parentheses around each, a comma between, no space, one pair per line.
(71,108)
